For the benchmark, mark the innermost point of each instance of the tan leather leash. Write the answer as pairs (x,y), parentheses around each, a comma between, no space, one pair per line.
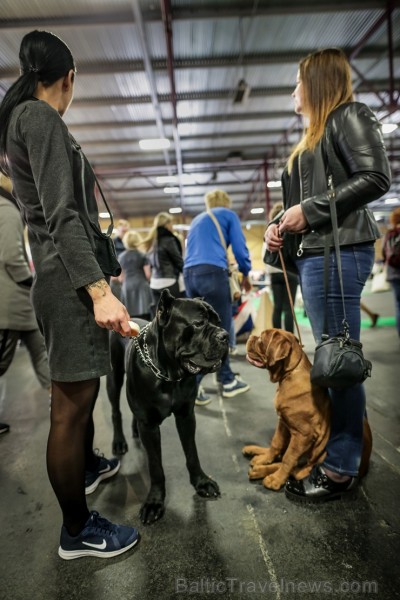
(290,295)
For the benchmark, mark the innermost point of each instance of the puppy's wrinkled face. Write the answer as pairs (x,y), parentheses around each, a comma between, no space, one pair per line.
(270,351)
(192,333)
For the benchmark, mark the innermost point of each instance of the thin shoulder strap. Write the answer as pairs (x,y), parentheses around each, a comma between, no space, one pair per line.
(221,236)
(94,226)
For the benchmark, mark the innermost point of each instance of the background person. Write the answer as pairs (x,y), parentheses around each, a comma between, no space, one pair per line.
(136,293)
(122,227)
(73,302)
(343,138)
(391,244)
(282,310)
(206,272)
(17,319)
(165,255)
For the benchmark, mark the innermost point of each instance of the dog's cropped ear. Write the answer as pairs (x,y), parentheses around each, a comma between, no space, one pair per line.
(278,346)
(213,316)
(164,307)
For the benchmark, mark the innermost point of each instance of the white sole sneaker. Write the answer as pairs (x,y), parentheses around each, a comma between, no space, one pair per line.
(235,391)
(71,554)
(101,477)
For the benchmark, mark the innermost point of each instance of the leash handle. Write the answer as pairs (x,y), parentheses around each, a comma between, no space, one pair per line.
(290,295)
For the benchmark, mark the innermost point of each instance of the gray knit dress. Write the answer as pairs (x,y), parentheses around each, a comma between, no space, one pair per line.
(46,174)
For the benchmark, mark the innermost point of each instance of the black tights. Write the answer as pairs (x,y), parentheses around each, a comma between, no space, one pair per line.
(70,447)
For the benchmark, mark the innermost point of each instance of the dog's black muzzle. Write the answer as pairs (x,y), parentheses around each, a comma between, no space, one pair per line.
(207,356)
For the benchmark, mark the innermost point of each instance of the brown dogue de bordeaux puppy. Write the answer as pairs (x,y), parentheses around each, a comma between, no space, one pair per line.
(303,409)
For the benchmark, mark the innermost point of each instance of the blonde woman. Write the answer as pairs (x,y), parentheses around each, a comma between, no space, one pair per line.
(165,255)
(343,139)
(136,292)
(206,272)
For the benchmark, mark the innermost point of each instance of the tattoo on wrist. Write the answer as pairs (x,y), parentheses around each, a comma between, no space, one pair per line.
(100,285)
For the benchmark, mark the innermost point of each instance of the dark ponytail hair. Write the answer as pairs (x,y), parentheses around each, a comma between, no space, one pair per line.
(43,57)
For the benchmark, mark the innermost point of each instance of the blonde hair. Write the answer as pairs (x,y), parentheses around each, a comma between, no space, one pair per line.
(5,183)
(217,198)
(160,220)
(394,217)
(276,209)
(131,239)
(326,79)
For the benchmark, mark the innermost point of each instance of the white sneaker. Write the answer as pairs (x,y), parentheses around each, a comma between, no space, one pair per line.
(236,387)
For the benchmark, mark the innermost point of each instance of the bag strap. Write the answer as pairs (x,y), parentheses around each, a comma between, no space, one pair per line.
(290,295)
(94,226)
(335,234)
(221,236)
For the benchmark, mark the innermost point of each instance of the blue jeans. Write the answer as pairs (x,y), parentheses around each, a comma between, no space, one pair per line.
(348,406)
(212,284)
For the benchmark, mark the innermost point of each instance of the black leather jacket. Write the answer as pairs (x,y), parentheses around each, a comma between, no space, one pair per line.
(353,152)
(166,256)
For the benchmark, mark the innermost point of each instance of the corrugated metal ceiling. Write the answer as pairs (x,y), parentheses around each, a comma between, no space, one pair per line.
(215,43)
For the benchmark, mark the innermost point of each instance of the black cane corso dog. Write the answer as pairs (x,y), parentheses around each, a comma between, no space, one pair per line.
(161,365)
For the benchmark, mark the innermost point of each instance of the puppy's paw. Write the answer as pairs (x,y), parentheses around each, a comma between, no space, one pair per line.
(260,471)
(253,450)
(263,459)
(274,481)
(207,487)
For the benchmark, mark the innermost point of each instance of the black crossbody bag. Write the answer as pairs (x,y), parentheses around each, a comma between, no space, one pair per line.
(338,361)
(104,251)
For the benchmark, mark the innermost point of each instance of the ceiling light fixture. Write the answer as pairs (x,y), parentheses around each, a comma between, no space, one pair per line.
(175,210)
(274,184)
(163,179)
(242,92)
(389,127)
(155,144)
(257,211)
(391,200)
(104,215)
(171,190)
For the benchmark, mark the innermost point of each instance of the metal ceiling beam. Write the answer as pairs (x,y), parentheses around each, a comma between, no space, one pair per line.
(150,75)
(167,22)
(198,136)
(104,67)
(270,7)
(195,12)
(221,94)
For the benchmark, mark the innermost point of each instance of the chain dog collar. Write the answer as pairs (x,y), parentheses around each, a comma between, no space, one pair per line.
(145,355)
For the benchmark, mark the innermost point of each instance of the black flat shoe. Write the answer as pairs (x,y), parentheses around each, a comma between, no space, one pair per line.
(318,487)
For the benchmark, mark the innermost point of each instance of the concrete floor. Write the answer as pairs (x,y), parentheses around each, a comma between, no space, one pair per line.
(250,543)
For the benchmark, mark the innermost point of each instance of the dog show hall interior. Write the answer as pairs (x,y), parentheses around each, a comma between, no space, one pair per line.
(175,101)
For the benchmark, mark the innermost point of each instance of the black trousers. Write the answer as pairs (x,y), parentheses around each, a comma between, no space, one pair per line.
(281,300)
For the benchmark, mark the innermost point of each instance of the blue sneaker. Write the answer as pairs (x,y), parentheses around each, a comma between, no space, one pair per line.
(202,398)
(105,469)
(98,538)
(235,387)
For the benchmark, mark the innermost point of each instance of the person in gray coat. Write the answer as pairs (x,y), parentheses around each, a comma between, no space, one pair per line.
(135,276)
(54,186)
(17,318)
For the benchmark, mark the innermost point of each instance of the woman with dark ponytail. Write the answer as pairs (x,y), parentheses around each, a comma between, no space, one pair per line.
(73,302)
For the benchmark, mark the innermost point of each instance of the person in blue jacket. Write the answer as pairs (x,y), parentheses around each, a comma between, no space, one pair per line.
(206,272)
